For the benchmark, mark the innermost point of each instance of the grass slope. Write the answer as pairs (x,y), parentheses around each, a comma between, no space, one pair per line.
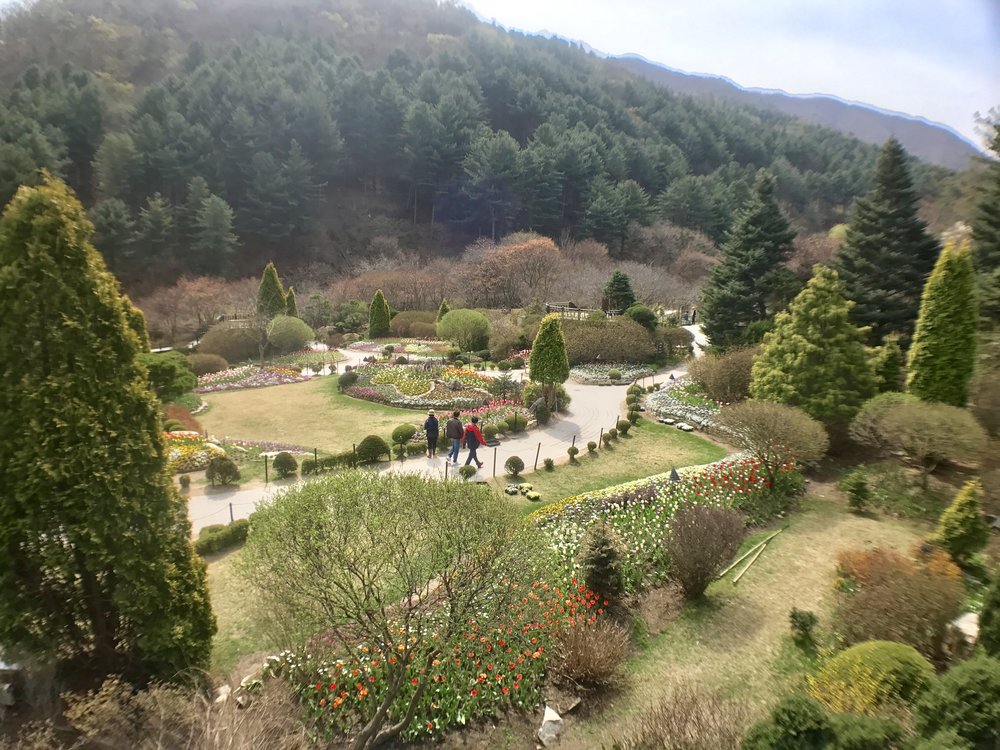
(241,630)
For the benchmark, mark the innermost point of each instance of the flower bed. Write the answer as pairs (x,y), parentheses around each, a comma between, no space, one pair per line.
(403,346)
(487,668)
(665,402)
(247,376)
(308,358)
(421,387)
(597,373)
(640,511)
(188,451)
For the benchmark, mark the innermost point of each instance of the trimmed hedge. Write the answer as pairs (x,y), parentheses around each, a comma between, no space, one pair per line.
(372,449)
(232,344)
(221,537)
(616,340)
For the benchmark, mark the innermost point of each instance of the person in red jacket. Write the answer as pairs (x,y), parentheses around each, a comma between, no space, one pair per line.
(473,439)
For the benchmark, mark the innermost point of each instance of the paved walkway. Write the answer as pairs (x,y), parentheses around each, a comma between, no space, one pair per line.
(592,408)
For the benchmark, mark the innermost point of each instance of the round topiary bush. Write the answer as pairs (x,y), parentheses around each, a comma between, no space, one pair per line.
(592,446)
(549,464)
(634,389)
(371,449)
(513,465)
(288,334)
(232,344)
(542,413)
(516,423)
(467,472)
(185,481)
(573,451)
(623,426)
(459,362)
(203,364)
(309,467)
(403,433)
(222,470)
(490,432)
(346,380)
(285,464)
(172,425)
(606,440)
(631,399)
(517,363)
(402,361)
(870,675)
(614,374)
(503,366)
(613,433)
(634,417)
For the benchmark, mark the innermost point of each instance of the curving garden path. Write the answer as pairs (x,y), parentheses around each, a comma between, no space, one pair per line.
(591,409)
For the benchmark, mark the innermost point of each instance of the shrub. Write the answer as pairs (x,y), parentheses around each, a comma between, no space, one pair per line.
(542,413)
(871,676)
(634,390)
(468,329)
(592,446)
(606,439)
(516,423)
(372,449)
(232,344)
(513,465)
(222,470)
(796,723)
(549,464)
(503,365)
(169,373)
(854,484)
(676,341)
(962,530)
(423,330)
(288,334)
(615,340)
(623,426)
(802,622)
(614,374)
(402,323)
(309,467)
(572,451)
(203,364)
(403,433)
(534,391)
(467,472)
(613,433)
(402,360)
(601,561)
(631,400)
(172,425)
(185,481)
(490,432)
(989,618)
(634,417)
(218,538)
(700,540)
(966,700)
(285,464)
(855,732)
(724,377)
(591,653)
(347,379)
(946,739)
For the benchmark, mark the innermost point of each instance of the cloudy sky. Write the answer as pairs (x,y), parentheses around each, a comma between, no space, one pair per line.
(938,59)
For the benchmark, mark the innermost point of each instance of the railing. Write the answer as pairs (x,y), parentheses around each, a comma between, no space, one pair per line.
(571,312)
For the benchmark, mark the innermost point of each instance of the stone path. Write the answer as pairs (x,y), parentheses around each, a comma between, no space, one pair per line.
(592,408)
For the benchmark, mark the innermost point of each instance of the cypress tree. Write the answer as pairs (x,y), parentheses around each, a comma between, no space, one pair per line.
(270,295)
(887,364)
(986,236)
(291,304)
(618,294)
(741,288)
(96,562)
(549,364)
(443,310)
(943,355)
(814,358)
(961,529)
(378,316)
(888,253)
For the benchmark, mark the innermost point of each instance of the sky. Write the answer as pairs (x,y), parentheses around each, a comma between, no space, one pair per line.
(937,59)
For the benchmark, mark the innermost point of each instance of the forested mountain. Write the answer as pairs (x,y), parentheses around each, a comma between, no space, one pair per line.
(925,140)
(206,136)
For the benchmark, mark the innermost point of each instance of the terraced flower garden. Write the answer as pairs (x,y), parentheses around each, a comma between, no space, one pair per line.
(248,376)
(600,373)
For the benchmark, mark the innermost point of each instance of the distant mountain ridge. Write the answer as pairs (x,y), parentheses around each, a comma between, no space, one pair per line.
(926,140)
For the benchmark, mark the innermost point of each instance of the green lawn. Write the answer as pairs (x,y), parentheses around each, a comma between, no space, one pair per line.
(241,630)
(312,414)
(648,449)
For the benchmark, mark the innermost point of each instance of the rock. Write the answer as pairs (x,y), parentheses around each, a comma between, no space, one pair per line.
(552,725)
(684,427)
(6,694)
(222,694)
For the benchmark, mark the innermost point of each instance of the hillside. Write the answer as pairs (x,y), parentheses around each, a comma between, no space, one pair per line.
(208,138)
(933,143)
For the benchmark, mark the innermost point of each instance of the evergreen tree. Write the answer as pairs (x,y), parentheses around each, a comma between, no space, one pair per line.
(98,564)
(943,355)
(986,236)
(155,229)
(291,304)
(989,619)
(491,168)
(887,365)
(197,192)
(270,295)
(962,530)
(741,287)
(549,364)
(618,294)
(378,316)
(214,241)
(114,230)
(443,310)
(814,358)
(888,253)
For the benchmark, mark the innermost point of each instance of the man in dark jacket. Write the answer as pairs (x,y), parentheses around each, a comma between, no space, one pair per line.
(473,439)
(453,431)
(431,429)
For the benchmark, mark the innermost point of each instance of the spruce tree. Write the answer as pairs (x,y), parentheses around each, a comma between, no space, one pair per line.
(443,310)
(291,304)
(618,294)
(270,295)
(943,355)
(962,530)
(888,253)
(986,236)
(97,564)
(814,358)
(742,287)
(378,316)
(214,241)
(549,364)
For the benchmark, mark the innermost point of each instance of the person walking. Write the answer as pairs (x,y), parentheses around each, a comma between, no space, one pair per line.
(473,439)
(453,431)
(431,429)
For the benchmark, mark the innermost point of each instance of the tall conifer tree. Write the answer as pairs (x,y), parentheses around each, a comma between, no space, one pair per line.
(443,310)
(814,358)
(270,295)
(742,286)
(291,303)
(549,363)
(888,254)
(95,555)
(986,237)
(618,294)
(378,316)
(943,356)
